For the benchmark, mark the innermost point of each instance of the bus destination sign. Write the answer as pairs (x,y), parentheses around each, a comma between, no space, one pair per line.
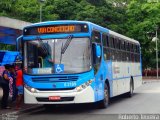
(54,29)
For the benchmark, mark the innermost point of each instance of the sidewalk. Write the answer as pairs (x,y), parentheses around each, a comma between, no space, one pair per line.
(150,79)
(12,105)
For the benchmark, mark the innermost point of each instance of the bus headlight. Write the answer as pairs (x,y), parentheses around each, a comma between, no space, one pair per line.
(33,90)
(84,85)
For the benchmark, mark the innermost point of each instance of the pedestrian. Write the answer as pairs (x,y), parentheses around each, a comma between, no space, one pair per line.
(13,85)
(5,87)
(19,85)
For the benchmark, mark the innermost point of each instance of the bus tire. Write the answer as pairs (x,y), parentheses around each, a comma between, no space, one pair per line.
(130,93)
(105,102)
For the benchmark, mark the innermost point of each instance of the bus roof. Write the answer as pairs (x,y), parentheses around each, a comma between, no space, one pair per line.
(57,22)
(92,25)
(114,33)
(123,37)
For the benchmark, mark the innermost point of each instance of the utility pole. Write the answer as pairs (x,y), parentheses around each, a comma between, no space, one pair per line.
(40,10)
(156,40)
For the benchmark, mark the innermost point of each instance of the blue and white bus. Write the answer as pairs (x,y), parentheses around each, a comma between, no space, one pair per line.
(68,62)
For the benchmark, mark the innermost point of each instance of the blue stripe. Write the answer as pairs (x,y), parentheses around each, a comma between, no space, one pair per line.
(126,77)
(34,37)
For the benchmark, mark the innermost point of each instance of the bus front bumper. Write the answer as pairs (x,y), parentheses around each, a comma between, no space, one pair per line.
(66,96)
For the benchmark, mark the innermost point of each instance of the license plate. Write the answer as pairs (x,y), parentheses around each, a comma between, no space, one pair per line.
(54,98)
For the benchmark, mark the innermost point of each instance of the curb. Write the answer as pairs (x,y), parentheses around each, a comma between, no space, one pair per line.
(149,81)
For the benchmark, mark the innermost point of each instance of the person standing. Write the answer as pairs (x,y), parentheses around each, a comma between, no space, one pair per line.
(19,85)
(13,85)
(5,87)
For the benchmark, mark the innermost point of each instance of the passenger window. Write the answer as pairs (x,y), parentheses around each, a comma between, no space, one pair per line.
(113,40)
(124,46)
(107,37)
(96,37)
(118,44)
(128,47)
(104,36)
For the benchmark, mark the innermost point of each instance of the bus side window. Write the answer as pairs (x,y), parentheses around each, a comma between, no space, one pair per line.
(106,49)
(135,54)
(109,54)
(104,45)
(127,52)
(107,38)
(124,46)
(116,49)
(119,50)
(138,50)
(132,53)
(113,40)
(104,40)
(112,48)
(119,43)
(122,50)
(96,37)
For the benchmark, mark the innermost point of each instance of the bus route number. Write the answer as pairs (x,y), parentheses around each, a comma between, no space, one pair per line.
(69,84)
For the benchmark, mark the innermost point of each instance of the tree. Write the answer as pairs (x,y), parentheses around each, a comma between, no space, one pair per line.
(142,18)
(133,18)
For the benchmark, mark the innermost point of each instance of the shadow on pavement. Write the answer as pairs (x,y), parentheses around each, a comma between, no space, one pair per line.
(74,108)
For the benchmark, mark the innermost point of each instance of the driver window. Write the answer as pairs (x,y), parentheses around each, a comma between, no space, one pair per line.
(96,37)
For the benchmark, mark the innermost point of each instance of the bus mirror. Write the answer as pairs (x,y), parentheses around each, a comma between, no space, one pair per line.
(98,51)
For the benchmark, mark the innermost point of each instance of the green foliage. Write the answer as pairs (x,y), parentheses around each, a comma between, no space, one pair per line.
(7,47)
(142,19)
(133,18)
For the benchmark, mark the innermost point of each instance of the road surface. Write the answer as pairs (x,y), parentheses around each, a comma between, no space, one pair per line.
(145,101)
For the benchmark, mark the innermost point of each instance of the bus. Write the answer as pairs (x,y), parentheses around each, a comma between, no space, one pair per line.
(71,62)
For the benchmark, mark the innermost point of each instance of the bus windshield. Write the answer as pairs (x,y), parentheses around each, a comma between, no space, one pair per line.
(41,56)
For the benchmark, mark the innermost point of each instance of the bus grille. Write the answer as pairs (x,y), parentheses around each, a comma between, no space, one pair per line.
(63,99)
(56,89)
(55,79)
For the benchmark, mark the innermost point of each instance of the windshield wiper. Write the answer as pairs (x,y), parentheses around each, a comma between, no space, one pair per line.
(65,46)
(43,45)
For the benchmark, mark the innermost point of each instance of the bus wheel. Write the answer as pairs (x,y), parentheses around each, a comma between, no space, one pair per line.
(105,102)
(130,93)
